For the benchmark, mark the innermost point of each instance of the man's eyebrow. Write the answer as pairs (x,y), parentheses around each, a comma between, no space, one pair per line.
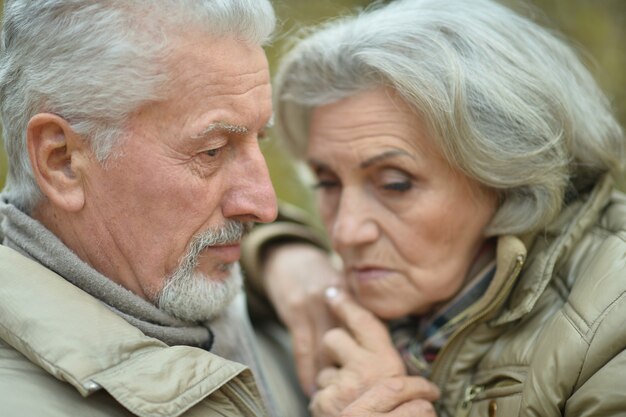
(221,127)
(385,155)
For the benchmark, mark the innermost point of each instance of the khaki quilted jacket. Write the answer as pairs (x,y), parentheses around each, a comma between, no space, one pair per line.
(63,353)
(548,337)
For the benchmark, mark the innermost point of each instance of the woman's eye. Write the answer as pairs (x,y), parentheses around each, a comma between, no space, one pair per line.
(398,186)
(326,184)
(394,180)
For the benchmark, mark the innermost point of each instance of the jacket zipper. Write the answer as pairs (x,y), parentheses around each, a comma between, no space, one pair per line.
(441,367)
(470,394)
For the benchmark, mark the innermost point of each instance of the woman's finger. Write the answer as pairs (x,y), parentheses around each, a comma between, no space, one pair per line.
(323,323)
(327,402)
(339,346)
(295,276)
(305,357)
(327,376)
(366,328)
(412,408)
(390,394)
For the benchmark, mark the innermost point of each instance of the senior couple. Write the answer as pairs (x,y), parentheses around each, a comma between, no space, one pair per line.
(464,161)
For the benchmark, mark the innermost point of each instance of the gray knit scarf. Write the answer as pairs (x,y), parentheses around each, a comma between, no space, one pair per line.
(29,237)
(235,337)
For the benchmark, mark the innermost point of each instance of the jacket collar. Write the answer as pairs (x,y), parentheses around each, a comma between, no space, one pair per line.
(552,247)
(77,339)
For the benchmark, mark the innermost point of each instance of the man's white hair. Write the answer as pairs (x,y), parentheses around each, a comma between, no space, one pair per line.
(96,62)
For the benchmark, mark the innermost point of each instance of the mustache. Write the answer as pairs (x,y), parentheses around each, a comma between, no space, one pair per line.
(230,233)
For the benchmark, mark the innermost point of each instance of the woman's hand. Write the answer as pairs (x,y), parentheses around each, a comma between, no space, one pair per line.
(364,356)
(296,276)
(402,396)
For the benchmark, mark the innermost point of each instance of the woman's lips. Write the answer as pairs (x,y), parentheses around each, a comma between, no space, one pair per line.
(370,273)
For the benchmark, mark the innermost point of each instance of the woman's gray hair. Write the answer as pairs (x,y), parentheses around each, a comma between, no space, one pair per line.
(508,103)
(96,62)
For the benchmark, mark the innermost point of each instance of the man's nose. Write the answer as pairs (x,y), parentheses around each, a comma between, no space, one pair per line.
(251,196)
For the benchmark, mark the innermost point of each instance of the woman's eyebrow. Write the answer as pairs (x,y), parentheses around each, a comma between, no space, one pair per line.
(385,155)
(317,164)
(368,162)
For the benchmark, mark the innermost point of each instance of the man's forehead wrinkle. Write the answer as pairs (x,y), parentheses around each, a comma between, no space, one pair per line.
(220,90)
(219,75)
(260,72)
(242,90)
(227,73)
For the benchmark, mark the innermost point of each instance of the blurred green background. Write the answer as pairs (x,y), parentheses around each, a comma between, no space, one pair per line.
(597,28)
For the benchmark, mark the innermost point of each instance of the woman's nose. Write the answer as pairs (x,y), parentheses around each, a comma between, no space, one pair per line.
(355,223)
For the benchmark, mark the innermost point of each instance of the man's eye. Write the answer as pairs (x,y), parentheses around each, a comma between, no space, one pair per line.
(398,186)
(213,152)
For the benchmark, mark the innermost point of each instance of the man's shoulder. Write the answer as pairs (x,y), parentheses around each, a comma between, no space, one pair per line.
(14,262)
(146,386)
(60,344)
(28,390)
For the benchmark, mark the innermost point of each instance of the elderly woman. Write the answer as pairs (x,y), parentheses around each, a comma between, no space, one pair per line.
(463,158)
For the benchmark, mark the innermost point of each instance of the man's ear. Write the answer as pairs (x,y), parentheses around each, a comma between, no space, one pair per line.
(56,155)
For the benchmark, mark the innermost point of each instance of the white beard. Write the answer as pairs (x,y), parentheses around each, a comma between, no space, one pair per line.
(196,297)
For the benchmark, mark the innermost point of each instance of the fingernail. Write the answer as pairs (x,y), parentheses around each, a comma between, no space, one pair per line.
(331,292)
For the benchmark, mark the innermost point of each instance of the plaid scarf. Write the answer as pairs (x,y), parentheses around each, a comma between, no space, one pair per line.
(419,339)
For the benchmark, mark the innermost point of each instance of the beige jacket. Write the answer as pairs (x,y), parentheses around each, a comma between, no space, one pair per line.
(59,345)
(548,337)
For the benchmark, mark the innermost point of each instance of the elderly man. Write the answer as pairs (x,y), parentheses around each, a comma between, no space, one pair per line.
(132,128)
